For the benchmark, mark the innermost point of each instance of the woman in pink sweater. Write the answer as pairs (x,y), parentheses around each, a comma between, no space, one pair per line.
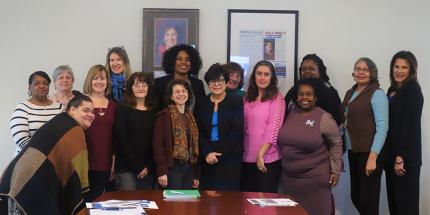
(264,109)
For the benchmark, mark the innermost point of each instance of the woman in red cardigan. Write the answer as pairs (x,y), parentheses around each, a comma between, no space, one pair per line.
(175,139)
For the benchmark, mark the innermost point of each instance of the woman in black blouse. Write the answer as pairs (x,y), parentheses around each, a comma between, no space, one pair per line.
(403,143)
(220,120)
(134,126)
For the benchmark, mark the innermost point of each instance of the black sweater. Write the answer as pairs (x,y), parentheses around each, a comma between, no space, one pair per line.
(133,131)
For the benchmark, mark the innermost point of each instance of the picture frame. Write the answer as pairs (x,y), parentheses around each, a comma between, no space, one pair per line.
(164,28)
(271,35)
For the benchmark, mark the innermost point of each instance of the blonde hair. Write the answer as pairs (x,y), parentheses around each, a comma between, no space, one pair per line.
(93,72)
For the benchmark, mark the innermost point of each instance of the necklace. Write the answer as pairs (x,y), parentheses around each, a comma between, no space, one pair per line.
(101,112)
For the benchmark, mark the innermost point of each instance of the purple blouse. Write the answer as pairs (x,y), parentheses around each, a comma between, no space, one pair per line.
(262,123)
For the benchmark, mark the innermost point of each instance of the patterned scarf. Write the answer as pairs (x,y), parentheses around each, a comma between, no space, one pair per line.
(118,86)
(181,149)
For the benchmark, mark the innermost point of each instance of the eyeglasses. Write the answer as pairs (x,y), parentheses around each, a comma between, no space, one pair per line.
(217,82)
(358,69)
(140,85)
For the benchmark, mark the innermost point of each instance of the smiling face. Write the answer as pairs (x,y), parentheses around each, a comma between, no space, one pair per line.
(64,82)
(183,63)
(401,71)
(39,87)
(234,80)
(99,83)
(361,73)
(170,37)
(309,69)
(140,89)
(217,87)
(116,63)
(306,98)
(84,114)
(179,94)
(263,76)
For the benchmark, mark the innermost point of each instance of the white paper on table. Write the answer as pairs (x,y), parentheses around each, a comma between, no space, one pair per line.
(272,202)
(134,211)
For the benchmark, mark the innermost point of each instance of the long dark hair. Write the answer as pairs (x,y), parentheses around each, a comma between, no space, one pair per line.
(413,66)
(270,92)
(130,99)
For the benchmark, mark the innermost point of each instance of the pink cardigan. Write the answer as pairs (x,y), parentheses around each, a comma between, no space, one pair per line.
(262,123)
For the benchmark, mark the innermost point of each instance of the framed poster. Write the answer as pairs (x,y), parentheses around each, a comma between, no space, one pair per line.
(164,28)
(271,35)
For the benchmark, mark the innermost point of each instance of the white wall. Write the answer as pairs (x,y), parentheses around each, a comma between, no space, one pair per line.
(40,35)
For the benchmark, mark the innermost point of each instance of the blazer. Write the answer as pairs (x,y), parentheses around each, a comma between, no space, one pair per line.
(230,126)
(404,133)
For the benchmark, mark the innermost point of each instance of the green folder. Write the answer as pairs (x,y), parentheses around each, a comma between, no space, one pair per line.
(181,194)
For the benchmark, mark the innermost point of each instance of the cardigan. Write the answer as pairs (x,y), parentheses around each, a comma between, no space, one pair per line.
(50,176)
(404,133)
(262,123)
(161,86)
(230,126)
(162,142)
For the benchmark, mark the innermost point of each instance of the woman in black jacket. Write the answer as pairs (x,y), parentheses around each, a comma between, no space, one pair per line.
(312,66)
(220,120)
(403,144)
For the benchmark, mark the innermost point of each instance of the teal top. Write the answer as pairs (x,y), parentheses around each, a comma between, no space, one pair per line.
(379,103)
(214,130)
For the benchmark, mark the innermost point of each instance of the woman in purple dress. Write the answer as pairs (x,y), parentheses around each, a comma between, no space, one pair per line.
(311,151)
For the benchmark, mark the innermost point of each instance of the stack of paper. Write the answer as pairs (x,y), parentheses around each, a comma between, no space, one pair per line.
(181,194)
(128,207)
(272,202)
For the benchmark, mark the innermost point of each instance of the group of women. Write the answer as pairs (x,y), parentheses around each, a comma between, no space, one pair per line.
(168,133)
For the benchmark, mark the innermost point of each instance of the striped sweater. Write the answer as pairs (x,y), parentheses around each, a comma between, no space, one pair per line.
(27,118)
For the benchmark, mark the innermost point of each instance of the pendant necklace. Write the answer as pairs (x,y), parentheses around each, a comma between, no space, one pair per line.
(101,112)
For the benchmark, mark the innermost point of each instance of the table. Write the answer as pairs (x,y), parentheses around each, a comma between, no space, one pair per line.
(211,202)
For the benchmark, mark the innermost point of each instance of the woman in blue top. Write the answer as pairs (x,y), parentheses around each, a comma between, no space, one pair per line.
(219,118)
(365,108)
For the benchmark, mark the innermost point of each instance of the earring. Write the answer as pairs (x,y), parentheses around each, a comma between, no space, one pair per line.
(29,94)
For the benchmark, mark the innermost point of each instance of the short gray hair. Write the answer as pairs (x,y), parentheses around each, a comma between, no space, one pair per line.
(61,69)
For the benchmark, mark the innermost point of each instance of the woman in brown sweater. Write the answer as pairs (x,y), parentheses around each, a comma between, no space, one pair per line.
(175,139)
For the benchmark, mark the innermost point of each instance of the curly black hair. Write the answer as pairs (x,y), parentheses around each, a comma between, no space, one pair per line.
(169,91)
(169,59)
(270,92)
(321,67)
(130,99)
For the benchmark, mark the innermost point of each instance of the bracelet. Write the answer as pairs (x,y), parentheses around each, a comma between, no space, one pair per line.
(399,162)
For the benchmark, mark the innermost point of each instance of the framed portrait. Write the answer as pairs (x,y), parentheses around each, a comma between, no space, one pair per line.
(164,28)
(272,35)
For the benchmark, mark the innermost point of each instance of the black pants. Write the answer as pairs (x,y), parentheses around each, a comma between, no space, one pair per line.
(98,180)
(364,189)
(403,192)
(253,180)
(180,176)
